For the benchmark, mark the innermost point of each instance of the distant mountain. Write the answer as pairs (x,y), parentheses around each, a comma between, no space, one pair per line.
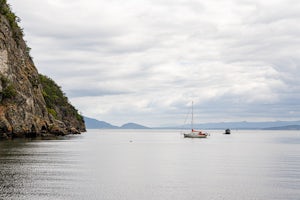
(96,124)
(290,127)
(246,125)
(274,125)
(133,126)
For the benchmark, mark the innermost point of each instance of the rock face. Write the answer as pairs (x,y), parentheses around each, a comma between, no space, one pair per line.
(23,109)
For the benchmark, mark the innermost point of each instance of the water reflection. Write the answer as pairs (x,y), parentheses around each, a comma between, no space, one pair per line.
(11,175)
(152,164)
(33,169)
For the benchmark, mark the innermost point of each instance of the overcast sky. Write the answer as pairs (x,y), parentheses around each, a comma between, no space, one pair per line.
(145,61)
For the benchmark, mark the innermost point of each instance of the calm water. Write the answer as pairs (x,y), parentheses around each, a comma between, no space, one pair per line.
(153,165)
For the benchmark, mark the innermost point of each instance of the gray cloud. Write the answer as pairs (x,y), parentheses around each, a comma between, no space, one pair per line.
(145,61)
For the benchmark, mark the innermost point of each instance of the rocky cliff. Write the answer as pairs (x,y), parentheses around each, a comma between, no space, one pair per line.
(30,104)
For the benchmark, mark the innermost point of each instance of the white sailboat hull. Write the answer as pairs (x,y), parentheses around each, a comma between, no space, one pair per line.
(194,135)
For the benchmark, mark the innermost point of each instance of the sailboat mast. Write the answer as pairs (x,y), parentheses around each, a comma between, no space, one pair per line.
(192,115)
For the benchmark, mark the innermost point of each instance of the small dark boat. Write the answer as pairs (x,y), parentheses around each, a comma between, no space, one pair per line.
(227,131)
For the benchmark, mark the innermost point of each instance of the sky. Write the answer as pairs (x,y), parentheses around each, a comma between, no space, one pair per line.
(146,61)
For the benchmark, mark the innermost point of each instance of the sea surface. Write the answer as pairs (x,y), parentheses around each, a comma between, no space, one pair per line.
(153,165)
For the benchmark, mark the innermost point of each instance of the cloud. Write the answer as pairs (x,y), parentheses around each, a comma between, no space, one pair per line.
(145,61)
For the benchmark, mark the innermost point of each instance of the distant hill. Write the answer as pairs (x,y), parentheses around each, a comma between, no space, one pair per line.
(133,126)
(247,125)
(273,125)
(290,127)
(96,124)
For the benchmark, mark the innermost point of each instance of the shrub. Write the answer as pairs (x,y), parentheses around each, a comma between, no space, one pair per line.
(13,21)
(8,90)
(52,112)
(55,99)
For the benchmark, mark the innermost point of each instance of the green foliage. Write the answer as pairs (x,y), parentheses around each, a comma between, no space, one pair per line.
(28,49)
(3,6)
(8,90)
(52,92)
(55,99)
(11,17)
(52,112)
(13,21)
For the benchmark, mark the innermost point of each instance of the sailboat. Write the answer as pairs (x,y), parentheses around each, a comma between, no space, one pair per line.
(194,133)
